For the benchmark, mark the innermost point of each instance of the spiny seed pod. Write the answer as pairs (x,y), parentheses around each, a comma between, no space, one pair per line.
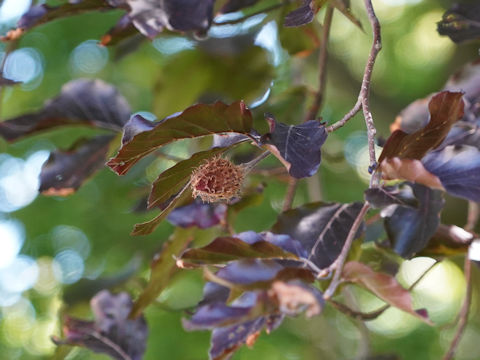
(217,179)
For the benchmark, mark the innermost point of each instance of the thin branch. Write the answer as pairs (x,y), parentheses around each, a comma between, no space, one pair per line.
(365,91)
(464,311)
(246,17)
(473,215)
(363,97)
(290,195)
(344,253)
(322,65)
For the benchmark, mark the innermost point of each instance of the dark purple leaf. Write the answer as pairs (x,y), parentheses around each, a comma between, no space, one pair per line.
(321,228)
(123,30)
(458,168)
(297,146)
(400,194)
(150,17)
(461,22)
(225,341)
(410,228)
(163,268)
(112,332)
(83,102)
(65,171)
(259,274)
(213,292)
(198,214)
(282,241)
(301,16)
(198,120)
(446,108)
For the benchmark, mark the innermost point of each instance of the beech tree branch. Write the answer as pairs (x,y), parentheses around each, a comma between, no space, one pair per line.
(344,253)
(363,97)
(473,215)
(464,311)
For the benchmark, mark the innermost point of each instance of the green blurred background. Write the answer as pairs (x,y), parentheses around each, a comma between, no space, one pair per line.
(54,252)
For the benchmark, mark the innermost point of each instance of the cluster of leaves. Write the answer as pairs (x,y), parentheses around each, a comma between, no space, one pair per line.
(254,279)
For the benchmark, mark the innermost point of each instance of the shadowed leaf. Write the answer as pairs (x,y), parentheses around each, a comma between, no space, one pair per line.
(400,194)
(410,228)
(461,22)
(198,120)
(446,108)
(236,5)
(198,214)
(321,228)
(151,17)
(162,269)
(111,333)
(65,171)
(301,16)
(297,146)
(384,286)
(458,168)
(81,102)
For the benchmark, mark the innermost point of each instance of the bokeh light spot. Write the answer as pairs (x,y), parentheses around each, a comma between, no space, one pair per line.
(68,266)
(88,57)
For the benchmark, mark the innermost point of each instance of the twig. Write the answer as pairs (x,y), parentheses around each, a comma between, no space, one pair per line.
(376,313)
(344,253)
(363,97)
(473,215)
(365,91)
(322,65)
(464,311)
(290,195)
(243,18)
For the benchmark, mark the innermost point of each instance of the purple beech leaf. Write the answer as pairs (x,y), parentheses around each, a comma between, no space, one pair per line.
(199,214)
(384,286)
(112,332)
(196,121)
(461,22)
(150,17)
(213,293)
(282,241)
(226,340)
(408,228)
(321,228)
(123,29)
(458,168)
(257,274)
(163,268)
(400,194)
(446,108)
(301,16)
(66,170)
(297,146)
(81,102)
(224,249)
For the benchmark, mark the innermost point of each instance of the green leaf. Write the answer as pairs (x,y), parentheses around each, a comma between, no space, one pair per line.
(195,121)
(163,269)
(148,227)
(224,249)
